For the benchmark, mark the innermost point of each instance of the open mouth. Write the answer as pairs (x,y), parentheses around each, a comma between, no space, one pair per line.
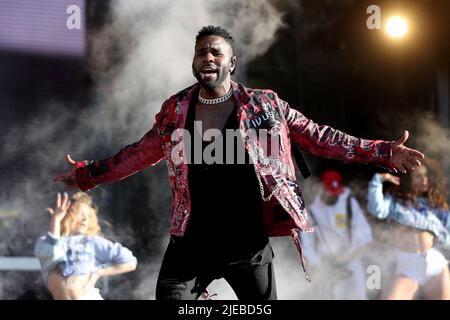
(209,68)
(208,76)
(208,73)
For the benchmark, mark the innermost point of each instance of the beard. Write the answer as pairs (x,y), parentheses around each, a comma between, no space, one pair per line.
(329,200)
(221,75)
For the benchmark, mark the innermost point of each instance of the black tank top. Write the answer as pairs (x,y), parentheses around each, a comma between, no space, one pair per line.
(226,223)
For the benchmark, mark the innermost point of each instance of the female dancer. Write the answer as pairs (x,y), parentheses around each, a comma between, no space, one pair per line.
(419,209)
(73,255)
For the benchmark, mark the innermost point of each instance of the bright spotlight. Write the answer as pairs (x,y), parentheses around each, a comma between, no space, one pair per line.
(396,26)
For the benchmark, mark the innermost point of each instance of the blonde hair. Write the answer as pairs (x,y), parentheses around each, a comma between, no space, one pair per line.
(68,221)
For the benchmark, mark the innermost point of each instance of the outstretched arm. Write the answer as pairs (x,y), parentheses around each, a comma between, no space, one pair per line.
(324,141)
(88,174)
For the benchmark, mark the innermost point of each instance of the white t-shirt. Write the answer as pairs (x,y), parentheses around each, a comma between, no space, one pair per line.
(331,237)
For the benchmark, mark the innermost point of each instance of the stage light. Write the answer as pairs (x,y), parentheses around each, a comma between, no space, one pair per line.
(396,26)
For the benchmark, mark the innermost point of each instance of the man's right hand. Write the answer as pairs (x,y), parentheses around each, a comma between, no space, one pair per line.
(69,178)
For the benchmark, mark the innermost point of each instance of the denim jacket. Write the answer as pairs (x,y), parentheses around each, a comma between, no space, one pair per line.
(79,254)
(419,216)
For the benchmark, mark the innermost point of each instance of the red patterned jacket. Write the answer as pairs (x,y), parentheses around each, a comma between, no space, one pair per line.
(257,109)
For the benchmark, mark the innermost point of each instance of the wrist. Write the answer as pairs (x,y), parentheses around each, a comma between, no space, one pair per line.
(56,220)
(99,273)
(55,228)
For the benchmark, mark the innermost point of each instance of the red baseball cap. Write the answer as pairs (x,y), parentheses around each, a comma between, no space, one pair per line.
(332,182)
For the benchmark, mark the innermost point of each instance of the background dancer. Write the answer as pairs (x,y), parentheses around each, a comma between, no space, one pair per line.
(73,255)
(419,209)
(341,236)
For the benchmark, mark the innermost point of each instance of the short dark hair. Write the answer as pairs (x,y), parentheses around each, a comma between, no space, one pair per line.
(215,31)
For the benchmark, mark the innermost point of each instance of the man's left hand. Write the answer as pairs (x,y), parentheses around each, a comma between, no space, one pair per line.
(405,159)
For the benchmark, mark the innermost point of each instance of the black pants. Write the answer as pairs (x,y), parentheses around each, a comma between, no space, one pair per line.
(185,277)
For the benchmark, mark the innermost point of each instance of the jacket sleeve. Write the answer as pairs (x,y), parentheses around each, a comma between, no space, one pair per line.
(444,233)
(147,152)
(444,217)
(324,141)
(112,253)
(49,251)
(378,205)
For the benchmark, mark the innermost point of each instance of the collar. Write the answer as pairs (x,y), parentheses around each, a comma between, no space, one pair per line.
(240,95)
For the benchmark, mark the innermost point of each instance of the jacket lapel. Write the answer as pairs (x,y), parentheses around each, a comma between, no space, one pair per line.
(183,106)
